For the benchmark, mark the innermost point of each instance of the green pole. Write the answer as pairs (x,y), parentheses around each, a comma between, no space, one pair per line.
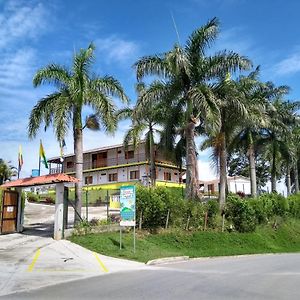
(86,204)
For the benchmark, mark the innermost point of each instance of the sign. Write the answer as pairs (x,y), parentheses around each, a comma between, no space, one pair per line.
(127,205)
(10,209)
(114,202)
(35,173)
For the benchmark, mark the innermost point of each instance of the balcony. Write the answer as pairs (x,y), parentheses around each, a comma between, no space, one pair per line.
(109,162)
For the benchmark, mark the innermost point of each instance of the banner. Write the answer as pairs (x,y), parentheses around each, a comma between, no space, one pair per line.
(127,205)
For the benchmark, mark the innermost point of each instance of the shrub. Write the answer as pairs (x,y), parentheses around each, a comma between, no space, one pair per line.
(294,205)
(240,213)
(212,208)
(33,197)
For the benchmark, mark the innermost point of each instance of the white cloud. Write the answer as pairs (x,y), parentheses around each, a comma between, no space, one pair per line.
(289,65)
(16,68)
(20,21)
(117,49)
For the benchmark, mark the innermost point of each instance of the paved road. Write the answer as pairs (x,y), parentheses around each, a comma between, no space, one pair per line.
(250,277)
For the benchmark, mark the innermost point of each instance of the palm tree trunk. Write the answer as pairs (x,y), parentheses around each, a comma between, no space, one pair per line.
(288,179)
(273,173)
(251,157)
(152,158)
(296,178)
(223,171)
(78,150)
(191,163)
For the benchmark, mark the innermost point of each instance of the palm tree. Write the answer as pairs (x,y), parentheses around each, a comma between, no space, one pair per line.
(145,119)
(6,171)
(276,136)
(233,108)
(186,70)
(248,130)
(76,87)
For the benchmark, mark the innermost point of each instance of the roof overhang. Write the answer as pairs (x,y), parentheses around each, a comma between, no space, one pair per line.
(40,180)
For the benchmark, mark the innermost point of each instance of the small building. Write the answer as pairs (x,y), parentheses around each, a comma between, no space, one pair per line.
(235,184)
(112,166)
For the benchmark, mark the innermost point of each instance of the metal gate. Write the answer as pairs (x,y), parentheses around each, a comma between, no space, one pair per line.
(9,212)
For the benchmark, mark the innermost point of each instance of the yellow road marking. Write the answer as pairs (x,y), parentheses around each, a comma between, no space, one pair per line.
(36,256)
(100,263)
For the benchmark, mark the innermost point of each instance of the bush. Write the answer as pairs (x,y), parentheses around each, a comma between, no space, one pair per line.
(294,205)
(212,208)
(32,197)
(240,213)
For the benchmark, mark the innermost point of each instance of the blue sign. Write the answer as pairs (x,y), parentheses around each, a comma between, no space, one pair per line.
(127,205)
(35,172)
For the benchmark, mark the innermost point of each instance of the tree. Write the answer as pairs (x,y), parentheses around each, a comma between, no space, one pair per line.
(76,88)
(145,119)
(233,108)
(248,130)
(6,171)
(276,136)
(186,71)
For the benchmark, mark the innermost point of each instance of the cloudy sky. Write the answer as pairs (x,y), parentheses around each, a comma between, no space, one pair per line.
(36,33)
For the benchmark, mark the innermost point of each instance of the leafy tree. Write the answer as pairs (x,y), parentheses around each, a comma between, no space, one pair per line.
(186,71)
(6,171)
(76,87)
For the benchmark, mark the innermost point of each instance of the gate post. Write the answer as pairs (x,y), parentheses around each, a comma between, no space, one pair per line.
(59,212)
(20,214)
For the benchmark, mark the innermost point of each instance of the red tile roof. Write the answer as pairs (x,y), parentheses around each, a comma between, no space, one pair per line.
(40,180)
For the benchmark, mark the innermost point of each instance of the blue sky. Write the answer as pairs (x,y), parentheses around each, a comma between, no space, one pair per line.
(35,33)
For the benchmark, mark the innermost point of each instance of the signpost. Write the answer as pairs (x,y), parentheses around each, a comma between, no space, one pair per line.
(127,210)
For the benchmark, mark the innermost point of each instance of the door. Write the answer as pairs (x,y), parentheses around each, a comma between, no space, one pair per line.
(9,212)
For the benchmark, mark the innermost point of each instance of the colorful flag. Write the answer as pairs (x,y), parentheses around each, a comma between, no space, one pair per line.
(42,155)
(20,158)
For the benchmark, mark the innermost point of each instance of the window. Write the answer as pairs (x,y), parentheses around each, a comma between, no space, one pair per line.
(70,164)
(88,179)
(129,154)
(167,176)
(119,151)
(103,174)
(113,177)
(134,174)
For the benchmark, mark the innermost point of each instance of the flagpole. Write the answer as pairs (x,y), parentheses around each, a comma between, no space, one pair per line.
(40,158)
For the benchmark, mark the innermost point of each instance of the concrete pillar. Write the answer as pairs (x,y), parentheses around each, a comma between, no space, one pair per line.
(59,212)
(20,214)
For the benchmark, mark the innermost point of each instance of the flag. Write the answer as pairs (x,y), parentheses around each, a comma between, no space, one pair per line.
(227,77)
(20,158)
(42,155)
(62,145)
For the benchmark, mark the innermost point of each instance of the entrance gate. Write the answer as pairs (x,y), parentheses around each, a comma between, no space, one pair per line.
(9,212)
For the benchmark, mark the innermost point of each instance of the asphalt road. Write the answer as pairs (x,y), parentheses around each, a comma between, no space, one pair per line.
(247,277)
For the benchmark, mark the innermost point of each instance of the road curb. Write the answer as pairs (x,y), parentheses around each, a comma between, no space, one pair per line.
(166,260)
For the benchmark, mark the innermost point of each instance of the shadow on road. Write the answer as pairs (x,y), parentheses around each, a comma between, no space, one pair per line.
(39,229)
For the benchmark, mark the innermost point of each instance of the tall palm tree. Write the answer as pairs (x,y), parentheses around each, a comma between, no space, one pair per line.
(145,119)
(76,88)
(186,70)
(248,129)
(275,137)
(233,108)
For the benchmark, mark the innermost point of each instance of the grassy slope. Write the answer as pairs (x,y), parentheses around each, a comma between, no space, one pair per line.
(196,244)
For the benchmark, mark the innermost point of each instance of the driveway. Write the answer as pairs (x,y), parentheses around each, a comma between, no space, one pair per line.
(30,262)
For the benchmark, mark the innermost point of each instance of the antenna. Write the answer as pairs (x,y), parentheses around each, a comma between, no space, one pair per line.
(175,27)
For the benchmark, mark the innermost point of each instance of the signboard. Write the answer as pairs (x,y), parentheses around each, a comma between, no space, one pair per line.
(35,173)
(114,202)
(127,205)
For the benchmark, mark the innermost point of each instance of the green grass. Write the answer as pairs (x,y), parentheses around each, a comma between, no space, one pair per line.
(195,244)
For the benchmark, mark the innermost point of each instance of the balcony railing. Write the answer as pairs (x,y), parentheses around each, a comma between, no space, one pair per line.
(109,162)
